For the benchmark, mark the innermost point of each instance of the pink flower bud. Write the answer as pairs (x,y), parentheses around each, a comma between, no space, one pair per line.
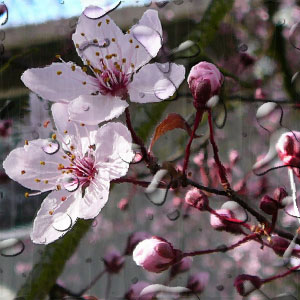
(113,261)
(123,204)
(222,224)
(205,80)
(268,205)
(279,194)
(155,254)
(279,245)
(198,281)
(134,239)
(135,291)
(288,148)
(182,266)
(245,284)
(233,157)
(197,199)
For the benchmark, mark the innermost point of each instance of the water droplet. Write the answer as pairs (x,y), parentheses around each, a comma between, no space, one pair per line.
(294,77)
(294,35)
(243,48)
(96,12)
(213,101)
(11,247)
(50,146)
(149,38)
(265,109)
(3,14)
(164,68)
(220,287)
(174,215)
(70,182)
(85,107)
(141,95)
(63,222)
(164,88)
(2,35)
(161,4)
(100,44)
(239,212)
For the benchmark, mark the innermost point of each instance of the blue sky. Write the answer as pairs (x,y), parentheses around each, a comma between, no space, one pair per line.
(21,12)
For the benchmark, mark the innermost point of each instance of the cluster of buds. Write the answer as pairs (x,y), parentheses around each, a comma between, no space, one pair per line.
(205,81)
(271,205)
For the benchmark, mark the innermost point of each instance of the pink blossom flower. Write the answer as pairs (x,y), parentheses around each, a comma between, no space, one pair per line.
(119,64)
(155,254)
(77,170)
(205,80)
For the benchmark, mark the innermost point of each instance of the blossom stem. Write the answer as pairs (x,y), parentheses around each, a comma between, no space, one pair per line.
(197,121)
(136,139)
(108,286)
(290,271)
(92,282)
(222,171)
(223,249)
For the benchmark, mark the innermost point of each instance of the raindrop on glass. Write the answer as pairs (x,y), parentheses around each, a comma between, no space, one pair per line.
(85,107)
(164,68)
(148,38)
(11,247)
(70,182)
(50,146)
(164,88)
(161,4)
(294,77)
(96,12)
(265,109)
(174,215)
(141,95)
(3,14)
(2,35)
(63,222)
(220,287)
(243,48)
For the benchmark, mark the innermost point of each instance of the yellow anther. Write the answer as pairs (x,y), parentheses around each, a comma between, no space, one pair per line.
(82,34)
(108,56)
(130,41)
(58,187)
(58,56)
(53,136)
(37,180)
(23,172)
(46,181)
(97,71)
(73,157)
(107,21)
(77,45)
(51,212)
(114,55)
(107,79)
(60,167)
(88,62)
(99,24)
(104,67)
(72,147)
(73,68)
(64,156)
(137,46)
(123,60)
(95,41)
(26,142)
(128,31)
(66,131)
(84,69)
(63,198)
(26,195)
(59,72)
(82,124)
(132,65)
(97,53)
(42,163)
(84,82)
(113,39)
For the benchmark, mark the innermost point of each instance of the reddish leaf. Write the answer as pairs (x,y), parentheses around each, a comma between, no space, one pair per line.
(172,121)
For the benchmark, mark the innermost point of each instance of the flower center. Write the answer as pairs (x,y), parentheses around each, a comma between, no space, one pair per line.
(84,169)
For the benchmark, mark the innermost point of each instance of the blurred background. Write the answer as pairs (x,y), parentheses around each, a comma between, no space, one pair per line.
(255,45)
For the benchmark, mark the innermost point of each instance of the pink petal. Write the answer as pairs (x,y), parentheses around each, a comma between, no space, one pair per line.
(92,110)
(96,196)
(114,156)
(58,82)
(156,82)
(55,217)
(24,165)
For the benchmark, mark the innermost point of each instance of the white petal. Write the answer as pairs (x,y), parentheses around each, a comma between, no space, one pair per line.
(156,82)
(96,38)
(113,149)
(64,124)
(96,196)
(58,82)
(92,110)
(28,159)
(57,215)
